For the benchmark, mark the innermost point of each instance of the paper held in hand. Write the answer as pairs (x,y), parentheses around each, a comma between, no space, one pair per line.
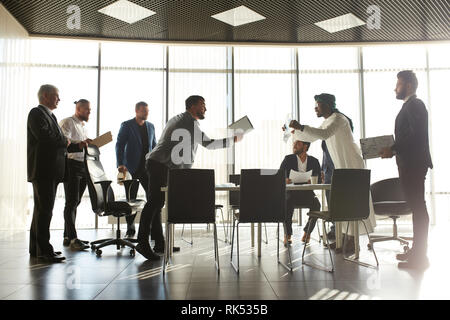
(371,147)
(300,177)
(243,125)
(100,141)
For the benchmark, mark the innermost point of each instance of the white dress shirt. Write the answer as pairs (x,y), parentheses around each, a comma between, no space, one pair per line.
(74,129)
(302,165)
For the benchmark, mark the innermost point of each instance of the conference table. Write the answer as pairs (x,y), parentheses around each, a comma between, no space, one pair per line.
(289,187)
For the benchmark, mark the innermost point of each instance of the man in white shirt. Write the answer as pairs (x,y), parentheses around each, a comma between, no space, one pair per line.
(74,129)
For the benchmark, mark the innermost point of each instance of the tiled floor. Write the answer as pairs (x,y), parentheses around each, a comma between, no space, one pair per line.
(116,275)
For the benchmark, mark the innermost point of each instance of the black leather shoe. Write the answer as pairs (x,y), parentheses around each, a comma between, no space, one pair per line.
(161,250)
(130,233)
(55,254)
(418,263)
(78,245)
(51,259)
(66,242)
(147,252)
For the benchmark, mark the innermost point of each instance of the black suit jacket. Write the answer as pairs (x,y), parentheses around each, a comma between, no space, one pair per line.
(46,147)
(411,135)
(290,163)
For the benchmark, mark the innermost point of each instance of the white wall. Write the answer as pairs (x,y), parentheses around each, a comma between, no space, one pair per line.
(14,51)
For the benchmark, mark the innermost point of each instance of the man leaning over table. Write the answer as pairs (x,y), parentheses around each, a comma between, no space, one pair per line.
(182,135)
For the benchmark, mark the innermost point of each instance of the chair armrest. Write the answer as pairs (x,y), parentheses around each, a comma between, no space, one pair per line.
(105,186)
(128,184)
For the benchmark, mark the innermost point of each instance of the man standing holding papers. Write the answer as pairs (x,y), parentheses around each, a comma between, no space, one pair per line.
(76,182)
(413,160)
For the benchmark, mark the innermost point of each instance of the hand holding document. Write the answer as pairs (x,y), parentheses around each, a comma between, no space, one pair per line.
(300,177)
(243,125)
(100,141)
(371,147)
(287,131)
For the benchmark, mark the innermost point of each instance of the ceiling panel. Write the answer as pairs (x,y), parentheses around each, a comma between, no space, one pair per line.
(287,21)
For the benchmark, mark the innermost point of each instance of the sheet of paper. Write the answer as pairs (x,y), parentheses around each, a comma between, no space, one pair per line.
(287,130)
(371,147)
(300,177)
(100,141)
(244,125)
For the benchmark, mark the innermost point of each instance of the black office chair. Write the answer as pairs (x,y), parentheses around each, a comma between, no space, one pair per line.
(388,200)
(234,202)
(103,201)
(191,199)
(349,201)
(262,199)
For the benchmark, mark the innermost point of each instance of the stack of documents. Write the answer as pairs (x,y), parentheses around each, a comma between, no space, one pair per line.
(300,177)
(371,147)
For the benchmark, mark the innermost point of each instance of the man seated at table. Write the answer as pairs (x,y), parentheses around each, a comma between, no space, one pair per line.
(300,161)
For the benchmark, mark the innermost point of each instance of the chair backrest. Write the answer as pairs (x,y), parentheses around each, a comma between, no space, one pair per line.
(262,196)
(96,173)
(387,190)
(191,196)
(234,196)
(349,196)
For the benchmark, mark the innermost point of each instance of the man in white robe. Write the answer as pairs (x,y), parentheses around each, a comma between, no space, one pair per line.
(336,131)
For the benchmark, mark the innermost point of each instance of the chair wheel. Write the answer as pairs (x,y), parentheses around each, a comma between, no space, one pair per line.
(405,249)
(92,247)
(369,246)
(98,252)
(132,252)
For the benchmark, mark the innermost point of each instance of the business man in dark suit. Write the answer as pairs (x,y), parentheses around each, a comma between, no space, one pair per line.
(46,159)
(135,139)
(413,160)
(300,161)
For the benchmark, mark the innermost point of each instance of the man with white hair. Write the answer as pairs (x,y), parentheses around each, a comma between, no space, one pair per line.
(46,154)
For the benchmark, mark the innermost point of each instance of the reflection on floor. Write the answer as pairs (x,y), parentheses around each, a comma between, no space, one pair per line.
(117,275)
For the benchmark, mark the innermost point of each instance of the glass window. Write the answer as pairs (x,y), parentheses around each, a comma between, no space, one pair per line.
(344,86)
(266,98)
(439,113)
(394,57)
(73,84)
(68,52)
(381,109)
(328,58)
(439,55)
(132,55)
(263,58)
(202,73)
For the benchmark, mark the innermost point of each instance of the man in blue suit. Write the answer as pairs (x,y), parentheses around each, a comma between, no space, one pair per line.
(300,161)
(135,139)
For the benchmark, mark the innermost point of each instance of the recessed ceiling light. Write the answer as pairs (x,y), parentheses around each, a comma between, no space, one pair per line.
(238,16)
(340,23)
(126,11)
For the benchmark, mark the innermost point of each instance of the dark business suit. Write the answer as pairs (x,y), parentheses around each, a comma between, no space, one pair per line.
(301,198)
(413,160)
(46,160)
(130,153)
